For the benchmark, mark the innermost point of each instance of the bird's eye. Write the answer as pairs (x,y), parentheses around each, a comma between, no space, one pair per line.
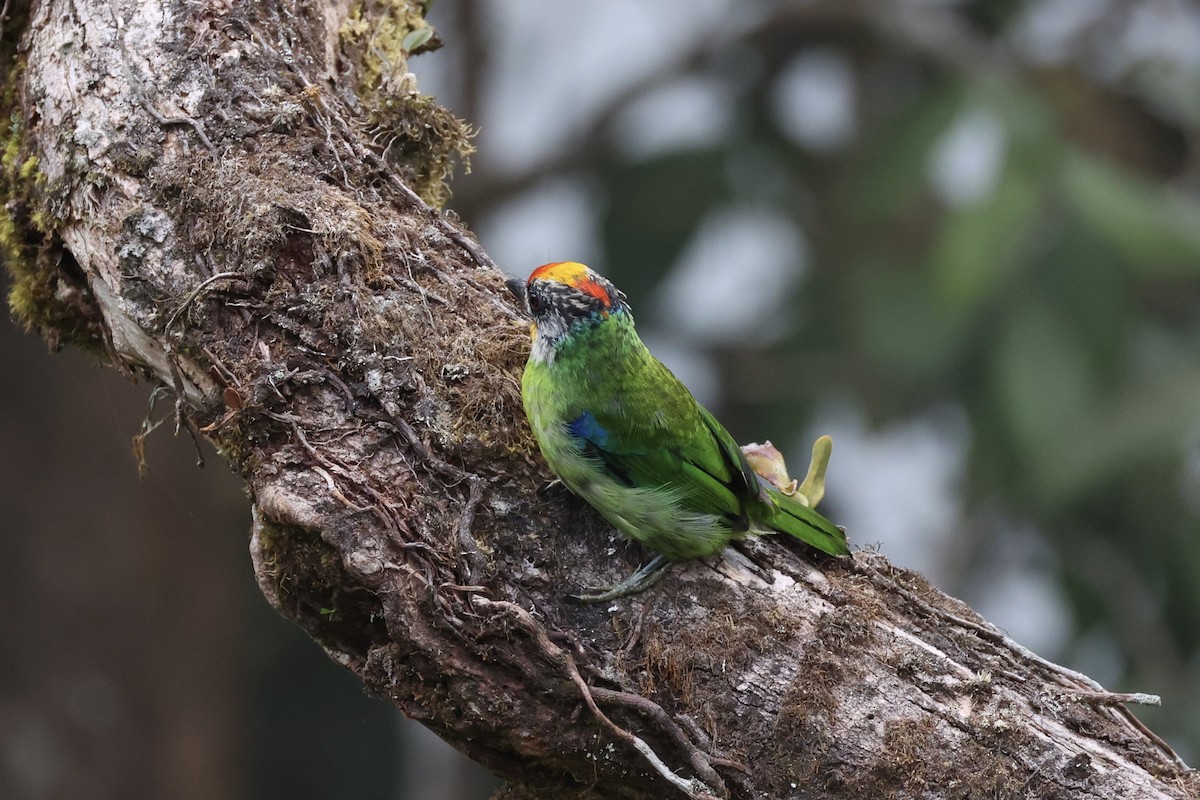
(535,302)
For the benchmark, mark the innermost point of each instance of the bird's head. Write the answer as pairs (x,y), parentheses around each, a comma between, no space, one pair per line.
(564,297)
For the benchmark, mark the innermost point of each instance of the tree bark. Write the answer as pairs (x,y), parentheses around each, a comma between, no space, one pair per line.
(237,201)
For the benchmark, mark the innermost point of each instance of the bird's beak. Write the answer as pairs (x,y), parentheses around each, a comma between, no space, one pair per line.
(517,287)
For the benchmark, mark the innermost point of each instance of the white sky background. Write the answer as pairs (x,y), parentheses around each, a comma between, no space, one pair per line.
(555,63)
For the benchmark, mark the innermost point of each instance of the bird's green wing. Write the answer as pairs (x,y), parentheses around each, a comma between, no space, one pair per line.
(655,434)
(746,479)
(667,439)
(788,515)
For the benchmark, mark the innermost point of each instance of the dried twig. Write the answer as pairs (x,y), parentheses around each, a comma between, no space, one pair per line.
(4,17)
(192,295)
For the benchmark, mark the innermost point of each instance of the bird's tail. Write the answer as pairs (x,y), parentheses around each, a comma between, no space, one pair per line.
(792,517)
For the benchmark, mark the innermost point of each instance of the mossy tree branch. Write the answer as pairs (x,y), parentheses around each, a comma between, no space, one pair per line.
(235,201)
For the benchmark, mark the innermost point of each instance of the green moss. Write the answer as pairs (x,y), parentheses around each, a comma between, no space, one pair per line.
(12,144)
(381,28)
(29,291)
(46,293)
(22,296)
(29,169)
(423,140)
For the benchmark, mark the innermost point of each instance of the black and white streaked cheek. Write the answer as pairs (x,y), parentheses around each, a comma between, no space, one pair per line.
(551,328)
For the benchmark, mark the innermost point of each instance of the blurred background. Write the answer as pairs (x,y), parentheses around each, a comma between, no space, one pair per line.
(961,237)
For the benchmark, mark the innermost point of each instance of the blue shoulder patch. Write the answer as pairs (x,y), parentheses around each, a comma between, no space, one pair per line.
(585,427)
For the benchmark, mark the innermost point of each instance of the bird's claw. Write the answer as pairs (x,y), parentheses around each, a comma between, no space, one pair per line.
(550,485)
(646,576)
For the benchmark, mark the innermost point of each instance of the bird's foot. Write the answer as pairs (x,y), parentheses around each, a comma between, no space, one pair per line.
(639,581)
(551,485)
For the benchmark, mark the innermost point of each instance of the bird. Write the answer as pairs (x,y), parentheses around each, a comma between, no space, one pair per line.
(618,429)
